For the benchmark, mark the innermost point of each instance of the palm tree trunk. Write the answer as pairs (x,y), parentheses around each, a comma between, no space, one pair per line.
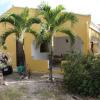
(51,60)
(20,55)
(50,65)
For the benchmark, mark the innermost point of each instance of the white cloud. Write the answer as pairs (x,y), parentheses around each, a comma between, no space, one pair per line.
(3,1)
(35,3)
(84,7)
(25,3)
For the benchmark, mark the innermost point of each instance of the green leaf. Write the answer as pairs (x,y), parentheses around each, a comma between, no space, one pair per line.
(69,33)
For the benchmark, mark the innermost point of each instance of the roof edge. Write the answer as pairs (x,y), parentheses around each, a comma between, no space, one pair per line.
(94,27)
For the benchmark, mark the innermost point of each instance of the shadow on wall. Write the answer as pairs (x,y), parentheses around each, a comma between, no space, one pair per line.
(78,46)
(62,45)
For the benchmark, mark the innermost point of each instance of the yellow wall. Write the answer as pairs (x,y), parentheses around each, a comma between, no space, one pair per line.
(81,28)
(11,44)
(34,65)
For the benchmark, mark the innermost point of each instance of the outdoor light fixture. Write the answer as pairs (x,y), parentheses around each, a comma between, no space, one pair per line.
(66,40)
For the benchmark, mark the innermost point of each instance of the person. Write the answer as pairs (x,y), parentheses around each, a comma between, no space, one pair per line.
(92,46)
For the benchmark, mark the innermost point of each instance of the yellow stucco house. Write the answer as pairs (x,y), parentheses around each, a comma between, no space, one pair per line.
(86,33)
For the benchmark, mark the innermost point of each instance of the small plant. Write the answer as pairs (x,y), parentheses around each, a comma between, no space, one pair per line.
(82,74)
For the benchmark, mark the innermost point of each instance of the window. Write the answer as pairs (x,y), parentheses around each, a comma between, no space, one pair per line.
(44,47)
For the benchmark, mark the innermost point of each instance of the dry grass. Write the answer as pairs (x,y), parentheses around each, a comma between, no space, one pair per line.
(10,94)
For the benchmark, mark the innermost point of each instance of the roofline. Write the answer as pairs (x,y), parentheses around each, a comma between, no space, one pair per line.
(37,9)
(15,7)
(94,27)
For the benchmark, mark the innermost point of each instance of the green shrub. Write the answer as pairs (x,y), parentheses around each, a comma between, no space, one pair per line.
(82,74)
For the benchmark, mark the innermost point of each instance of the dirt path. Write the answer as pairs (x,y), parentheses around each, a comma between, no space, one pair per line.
(36,88)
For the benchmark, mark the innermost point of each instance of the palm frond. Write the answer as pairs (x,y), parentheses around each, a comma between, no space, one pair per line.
(32,21)
(44,7)
(58,10)
(17,18)
(64,17)
(4,19)
(41,36)
(13,19)
(69,33)
(34,33)
(4,36)
(31,31)
(71,17)
(53,13)
(25,13)
(46,11)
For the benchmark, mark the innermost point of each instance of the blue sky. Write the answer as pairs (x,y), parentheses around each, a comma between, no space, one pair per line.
(4,5)
(90,7)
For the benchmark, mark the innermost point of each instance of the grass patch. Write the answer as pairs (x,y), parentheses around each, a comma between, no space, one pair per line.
(10,94)
(48,93)
(23,89)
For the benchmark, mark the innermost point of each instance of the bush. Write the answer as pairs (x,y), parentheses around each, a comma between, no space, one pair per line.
(82,74)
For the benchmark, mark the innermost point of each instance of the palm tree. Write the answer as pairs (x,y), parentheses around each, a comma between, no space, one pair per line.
(53,21)
(21,24)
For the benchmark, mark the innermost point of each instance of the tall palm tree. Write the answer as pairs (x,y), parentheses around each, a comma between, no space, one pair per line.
(22,24)
(53,22)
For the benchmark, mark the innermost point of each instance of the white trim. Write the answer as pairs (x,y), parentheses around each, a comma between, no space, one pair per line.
(95,27)
(36,54)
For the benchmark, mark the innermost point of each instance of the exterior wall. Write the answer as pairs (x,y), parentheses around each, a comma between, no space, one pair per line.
(81,28)
(34,65)
(11,44)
